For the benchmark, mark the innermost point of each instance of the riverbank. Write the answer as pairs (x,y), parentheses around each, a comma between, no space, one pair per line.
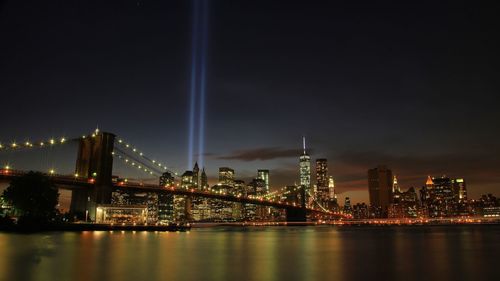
(31,228)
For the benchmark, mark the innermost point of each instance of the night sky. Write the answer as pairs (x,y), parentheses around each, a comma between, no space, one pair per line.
(414,88)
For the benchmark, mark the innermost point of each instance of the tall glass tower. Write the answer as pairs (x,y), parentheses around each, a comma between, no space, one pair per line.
(305,170)
(264,175)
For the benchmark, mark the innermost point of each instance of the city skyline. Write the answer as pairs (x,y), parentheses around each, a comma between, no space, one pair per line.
(360,195)
(249,140)
(349,85)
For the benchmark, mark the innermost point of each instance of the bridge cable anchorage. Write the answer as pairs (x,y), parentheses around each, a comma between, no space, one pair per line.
(140,154)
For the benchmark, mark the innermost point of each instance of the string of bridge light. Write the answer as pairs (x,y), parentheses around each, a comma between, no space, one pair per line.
(315,200)
(134,164)
(139,153)
(28,144)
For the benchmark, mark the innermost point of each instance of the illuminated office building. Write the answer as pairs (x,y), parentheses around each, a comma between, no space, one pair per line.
(305,172)
(226,176)
(264,175)
(166,200)
(322,192)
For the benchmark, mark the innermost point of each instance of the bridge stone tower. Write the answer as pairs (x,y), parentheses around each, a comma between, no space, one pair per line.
(95,162)
(298,215)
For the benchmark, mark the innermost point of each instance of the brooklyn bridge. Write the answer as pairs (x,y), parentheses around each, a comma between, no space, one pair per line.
(94,181)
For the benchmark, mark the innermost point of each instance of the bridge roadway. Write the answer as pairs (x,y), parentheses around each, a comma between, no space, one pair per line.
(73,183)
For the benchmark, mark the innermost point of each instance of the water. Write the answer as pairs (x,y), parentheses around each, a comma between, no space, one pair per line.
(267,253)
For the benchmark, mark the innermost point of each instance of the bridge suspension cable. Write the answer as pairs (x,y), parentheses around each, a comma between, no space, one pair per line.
(139,154)
(317,203)
(46,160)
(133,162)
(17,146)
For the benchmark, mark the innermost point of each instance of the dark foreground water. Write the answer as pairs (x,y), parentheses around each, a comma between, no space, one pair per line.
(271,253)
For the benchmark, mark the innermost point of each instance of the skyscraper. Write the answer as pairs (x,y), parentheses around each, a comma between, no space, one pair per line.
(305,170)
(395,185)
(380,182)
(166,200)
(321,172)
(331,188)
(460,189)
(322,179)
(226,176)
(264,175)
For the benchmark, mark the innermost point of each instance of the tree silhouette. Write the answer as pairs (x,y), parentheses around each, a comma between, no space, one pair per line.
(33,196)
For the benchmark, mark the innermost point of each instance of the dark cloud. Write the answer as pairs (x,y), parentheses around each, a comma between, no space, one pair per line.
(265,153)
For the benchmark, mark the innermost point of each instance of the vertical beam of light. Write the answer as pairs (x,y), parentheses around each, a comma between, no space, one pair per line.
(202,88)
(192,102)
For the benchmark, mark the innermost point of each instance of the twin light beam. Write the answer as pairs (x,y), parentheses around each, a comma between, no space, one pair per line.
(198,81)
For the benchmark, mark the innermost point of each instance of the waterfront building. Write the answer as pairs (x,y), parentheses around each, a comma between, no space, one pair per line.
(182,204)
(148,199)
(166,200)
(347,206)
(257,187)
(165,207)
(127,214)
(380,182)
(405,204)
(444,196)
(360,211)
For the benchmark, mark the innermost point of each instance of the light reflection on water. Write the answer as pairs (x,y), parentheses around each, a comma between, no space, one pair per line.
(267,253)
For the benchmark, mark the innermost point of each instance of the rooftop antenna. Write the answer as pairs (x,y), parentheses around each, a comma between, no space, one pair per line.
(304,144)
